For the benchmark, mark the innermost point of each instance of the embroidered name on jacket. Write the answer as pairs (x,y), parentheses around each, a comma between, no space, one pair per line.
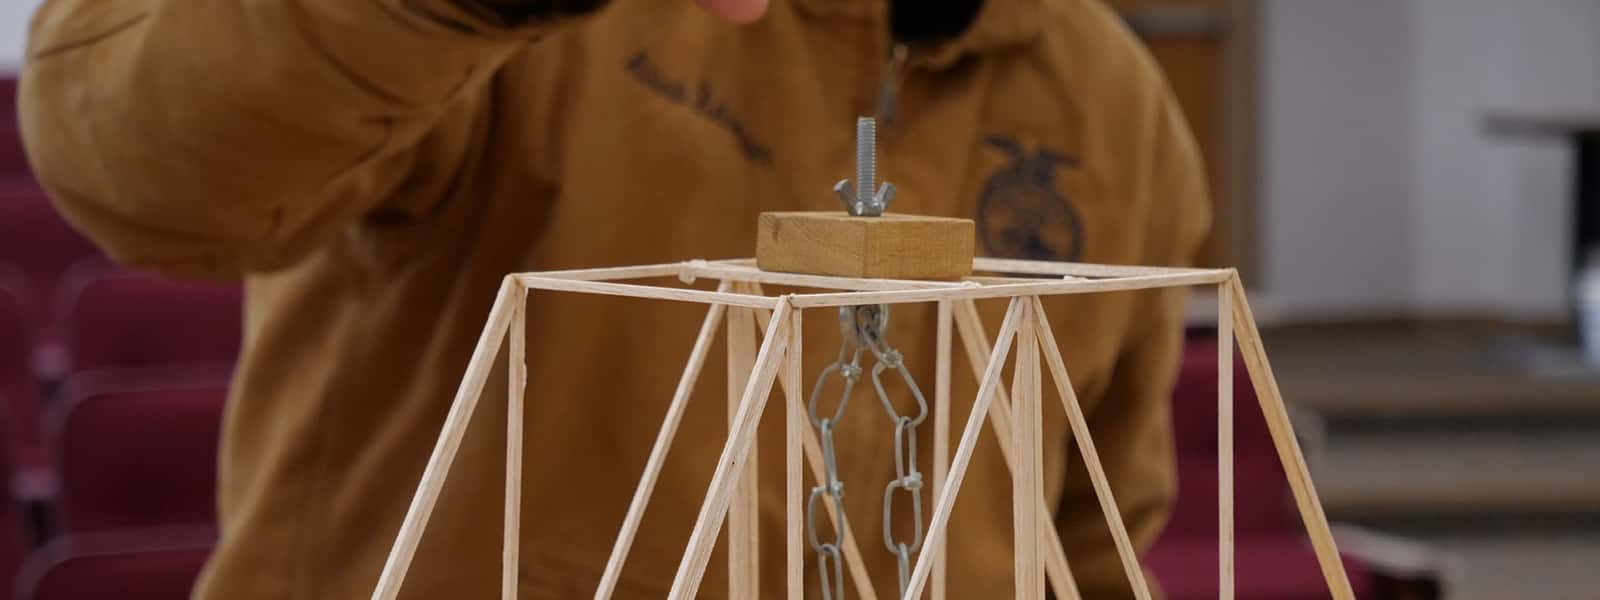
(702,101)
(1021,214)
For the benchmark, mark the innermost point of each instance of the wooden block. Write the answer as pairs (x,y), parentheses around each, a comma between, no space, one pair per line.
(891,246)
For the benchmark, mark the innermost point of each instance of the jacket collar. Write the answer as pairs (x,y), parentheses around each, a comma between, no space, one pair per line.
(999,24)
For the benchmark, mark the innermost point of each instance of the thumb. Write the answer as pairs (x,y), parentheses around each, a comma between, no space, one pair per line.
(737,11)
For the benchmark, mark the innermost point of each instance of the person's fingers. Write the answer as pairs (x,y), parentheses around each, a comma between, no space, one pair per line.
(737,11)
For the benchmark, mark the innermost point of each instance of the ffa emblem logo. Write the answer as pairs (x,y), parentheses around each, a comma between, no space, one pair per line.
(1020,214)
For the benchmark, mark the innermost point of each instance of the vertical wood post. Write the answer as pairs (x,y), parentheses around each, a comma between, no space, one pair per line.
(1091,458)
(735,453)
(1225,553)
(658,452)
(744,537)
(1028,454)
(969,441)
(941,435)
(969,325)
(444,451)
(1283,439)
(794,392)
(517,385)
(794,484)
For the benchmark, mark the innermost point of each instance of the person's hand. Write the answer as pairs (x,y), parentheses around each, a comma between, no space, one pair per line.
(737,11)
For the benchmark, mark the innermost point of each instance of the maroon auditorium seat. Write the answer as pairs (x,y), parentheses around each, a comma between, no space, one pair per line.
(141,564)
(1260,498)
(1273,558)
(121,319)
(19,398)
(13,542)
(139,453)
(13,164)
(36,241)
(1279,567)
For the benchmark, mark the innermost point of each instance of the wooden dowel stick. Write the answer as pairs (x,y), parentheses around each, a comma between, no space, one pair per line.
(658,452)
(969,442)
(1046,267)
(941,435)
(1283,439)
(686,583)
(1225,442)
(745,270)
(444,451)
(751,274)
(743,530)
(614,273)
(976,342)
(634,290)
(794,483)
(517,371)
(1091,458)
(853,561)
(1026,450)
(1041,288)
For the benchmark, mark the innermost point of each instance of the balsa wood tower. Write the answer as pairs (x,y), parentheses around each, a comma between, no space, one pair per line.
(870,260)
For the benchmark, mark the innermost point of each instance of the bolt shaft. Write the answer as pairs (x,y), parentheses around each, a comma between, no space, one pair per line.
(866,158)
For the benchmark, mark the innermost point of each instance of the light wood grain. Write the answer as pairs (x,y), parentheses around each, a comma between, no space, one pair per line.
(749,273)
(743,528)
(444,450)
(658,451)
(1043,288)
(794,389)
(794,484)
(1003,280)
(1283,440)
(941,436)
(1096,271)
(630,290)
(1091,458)
(893,246)
(975,340)
(614,273)
(1225,553)
(686,583)
(517,384)
(969,442)
(1027,452)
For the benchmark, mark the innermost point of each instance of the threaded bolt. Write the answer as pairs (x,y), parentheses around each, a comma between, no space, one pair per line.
(866,159)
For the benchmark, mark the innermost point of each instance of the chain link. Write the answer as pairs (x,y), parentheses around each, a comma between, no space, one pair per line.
(863,329)
(830,565)
(908,478)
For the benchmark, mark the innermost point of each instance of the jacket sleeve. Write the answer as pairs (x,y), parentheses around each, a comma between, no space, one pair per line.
(215,137)
(1131,421)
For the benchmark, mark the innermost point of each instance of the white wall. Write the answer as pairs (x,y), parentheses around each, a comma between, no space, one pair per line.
(1380,190)
(1334,163)
(14,15)
(1493,215)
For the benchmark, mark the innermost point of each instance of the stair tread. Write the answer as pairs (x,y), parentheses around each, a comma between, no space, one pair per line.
(1460,473)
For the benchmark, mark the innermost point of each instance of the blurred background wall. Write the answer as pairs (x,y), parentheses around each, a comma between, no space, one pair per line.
(14,16)
(1380,193)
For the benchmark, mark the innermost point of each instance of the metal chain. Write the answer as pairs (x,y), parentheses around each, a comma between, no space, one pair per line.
(830,564)
(863,328)
(908,478)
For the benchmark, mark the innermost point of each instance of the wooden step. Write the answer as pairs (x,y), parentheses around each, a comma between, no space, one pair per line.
(1446,475)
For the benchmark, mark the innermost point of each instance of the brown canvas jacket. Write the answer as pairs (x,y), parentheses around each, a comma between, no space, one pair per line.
(372,168)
